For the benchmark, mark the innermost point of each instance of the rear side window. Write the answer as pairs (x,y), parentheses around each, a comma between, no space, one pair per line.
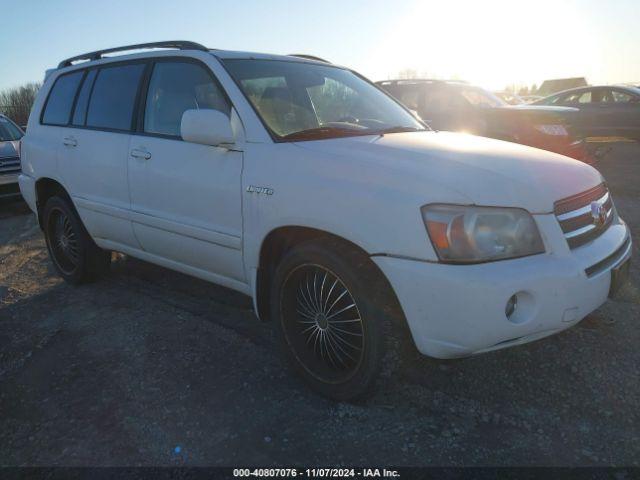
(80,112)
(58,108)
(410,96)
(176,87)
(114,93)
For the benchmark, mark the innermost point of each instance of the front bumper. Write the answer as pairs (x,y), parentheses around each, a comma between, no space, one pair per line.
(576,149)
(459,310)
(579,151)
(9,186)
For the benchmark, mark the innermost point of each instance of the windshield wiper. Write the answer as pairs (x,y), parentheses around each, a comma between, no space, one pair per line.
(325,132)
(398,129)
(332,132)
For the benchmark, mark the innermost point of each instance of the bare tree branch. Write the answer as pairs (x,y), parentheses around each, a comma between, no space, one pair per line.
(16,102)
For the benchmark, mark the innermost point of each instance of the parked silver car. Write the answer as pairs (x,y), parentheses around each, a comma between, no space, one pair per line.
(10,135)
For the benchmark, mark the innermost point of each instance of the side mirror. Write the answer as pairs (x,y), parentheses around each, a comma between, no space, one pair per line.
(206,127)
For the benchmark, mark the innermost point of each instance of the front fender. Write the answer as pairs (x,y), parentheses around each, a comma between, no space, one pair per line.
(374,206)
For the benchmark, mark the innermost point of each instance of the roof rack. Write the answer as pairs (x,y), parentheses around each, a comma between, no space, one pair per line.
(98,54)
(309,57)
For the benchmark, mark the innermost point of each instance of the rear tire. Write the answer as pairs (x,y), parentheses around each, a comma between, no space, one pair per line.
(332,311)
(73,252)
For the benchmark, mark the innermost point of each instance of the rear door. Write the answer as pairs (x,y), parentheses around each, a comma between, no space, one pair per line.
(623,112)
(44,144)
(186,197)
(93,162)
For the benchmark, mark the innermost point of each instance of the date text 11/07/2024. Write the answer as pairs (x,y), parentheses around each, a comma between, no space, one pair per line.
(317,472)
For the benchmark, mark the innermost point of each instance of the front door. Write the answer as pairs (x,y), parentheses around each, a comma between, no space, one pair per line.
(185,197)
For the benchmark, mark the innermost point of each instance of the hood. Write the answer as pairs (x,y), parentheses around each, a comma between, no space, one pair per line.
(9,149)
(484,171)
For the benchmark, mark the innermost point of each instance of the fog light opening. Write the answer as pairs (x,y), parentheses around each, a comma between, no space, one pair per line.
(511,306)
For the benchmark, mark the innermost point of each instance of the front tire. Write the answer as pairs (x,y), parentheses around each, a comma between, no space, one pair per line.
(73,252)
(328,303)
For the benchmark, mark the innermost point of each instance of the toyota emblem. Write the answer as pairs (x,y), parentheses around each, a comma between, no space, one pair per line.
(598,213)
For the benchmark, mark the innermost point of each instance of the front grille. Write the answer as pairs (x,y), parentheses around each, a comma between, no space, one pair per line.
(9,165)
(578,217)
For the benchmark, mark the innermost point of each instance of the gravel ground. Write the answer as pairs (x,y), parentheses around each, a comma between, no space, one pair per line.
(150,367)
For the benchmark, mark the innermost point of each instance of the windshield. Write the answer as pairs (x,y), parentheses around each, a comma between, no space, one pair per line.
(510,98)
(303,101)
(8,131)
(479,97)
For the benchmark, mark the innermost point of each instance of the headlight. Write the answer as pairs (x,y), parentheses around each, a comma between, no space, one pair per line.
(465,234)
(555,130)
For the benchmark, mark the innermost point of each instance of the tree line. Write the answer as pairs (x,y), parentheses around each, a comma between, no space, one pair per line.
(16,102)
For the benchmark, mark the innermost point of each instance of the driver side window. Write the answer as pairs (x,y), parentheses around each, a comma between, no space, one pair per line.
(620,97)
(578,97)
(176,87)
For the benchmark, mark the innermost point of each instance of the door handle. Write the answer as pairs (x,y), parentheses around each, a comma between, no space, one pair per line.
(70,142)
(137,153)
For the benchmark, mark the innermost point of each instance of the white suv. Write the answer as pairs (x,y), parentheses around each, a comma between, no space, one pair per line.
(305,186)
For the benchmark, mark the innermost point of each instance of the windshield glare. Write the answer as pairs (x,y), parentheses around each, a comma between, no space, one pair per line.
(295,99)
(479,97)
(8,131)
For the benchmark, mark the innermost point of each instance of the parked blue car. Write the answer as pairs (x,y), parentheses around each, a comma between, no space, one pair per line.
(604,111)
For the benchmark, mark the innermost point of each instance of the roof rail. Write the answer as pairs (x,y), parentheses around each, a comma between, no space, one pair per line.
(309,57)
(98,54)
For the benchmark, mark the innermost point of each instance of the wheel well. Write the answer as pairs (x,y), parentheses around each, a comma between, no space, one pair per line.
(45,189)
(279,241)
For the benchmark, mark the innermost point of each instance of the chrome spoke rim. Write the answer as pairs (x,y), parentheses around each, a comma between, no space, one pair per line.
(63,240)
(325,327)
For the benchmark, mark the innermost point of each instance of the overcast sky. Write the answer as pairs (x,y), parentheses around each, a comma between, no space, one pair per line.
(491,42)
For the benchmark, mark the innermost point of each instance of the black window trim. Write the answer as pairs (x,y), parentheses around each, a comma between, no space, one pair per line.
(137,117)
(143,61)
(76,96)
(87,71)
(73,102)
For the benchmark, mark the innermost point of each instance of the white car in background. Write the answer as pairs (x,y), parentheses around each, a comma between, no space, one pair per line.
(10,135)
(306,187)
